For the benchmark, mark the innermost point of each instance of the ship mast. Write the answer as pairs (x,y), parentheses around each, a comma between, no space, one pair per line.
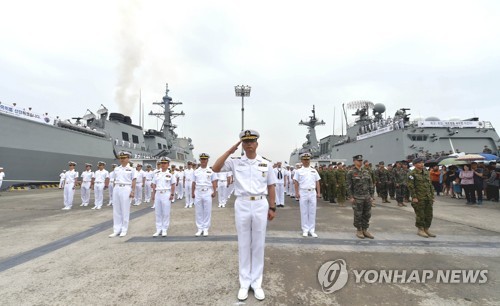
(312,143)
(167,116)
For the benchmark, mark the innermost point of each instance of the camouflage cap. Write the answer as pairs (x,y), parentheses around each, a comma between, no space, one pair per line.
(417,160)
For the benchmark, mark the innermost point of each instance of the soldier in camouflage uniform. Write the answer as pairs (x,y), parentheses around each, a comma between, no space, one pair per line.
(322,182)
(341,184)
(390,185)
(331,184)
(381,181)
(404,188)
(400,178)
(422,197)
(360,194)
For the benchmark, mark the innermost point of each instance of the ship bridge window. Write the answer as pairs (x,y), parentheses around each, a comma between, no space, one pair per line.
(418,137)
(135,139)
(125,136)
(159,146)
(164,146)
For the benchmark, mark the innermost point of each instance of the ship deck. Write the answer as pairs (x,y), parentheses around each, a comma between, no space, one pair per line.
(54,257)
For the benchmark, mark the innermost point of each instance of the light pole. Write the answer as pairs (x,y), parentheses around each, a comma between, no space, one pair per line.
(242,91)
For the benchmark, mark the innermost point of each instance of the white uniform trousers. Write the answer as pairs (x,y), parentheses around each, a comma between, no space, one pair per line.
(147,191)
(69,193)
(121,208)
(98,194)
(251,222)
(222,192)
(162,210)
(307,204)
(61,183)
(189,199)
(179,190)
(138,194)
(280,194)
(203,208)
(110,188)
(291,190)
(85,193)
(230,190)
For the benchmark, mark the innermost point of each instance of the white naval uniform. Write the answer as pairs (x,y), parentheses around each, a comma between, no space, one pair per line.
(164,182)
(69,183)
(87,177)
(2,175)
(179,190)
(61,180)
(280,185)
(100,177)
(121,198)
(230,188)
(307,178)
(251,180)
(138,186)
(188,187)
(147,188)
(286,174)
(222,188)
(291,188)
(202,179)
(111,186)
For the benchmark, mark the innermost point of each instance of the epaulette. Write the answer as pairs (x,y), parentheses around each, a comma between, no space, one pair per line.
(267,159)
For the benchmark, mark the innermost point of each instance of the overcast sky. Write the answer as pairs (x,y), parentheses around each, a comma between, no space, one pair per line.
(439,58)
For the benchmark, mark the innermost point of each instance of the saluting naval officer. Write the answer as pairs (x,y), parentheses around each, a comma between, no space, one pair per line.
(360,194)
(307,190)
(87,182)
(101,182)
(70,179)
(204,186)
(254,179)
(163,194)
(123,193)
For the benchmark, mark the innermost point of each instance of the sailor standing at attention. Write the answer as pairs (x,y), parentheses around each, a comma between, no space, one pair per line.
(307,190)
(254,179)
(101,182)
(173,171)
(61,179)
(87,182)
(158,169)
(141,180)
(163,193)
(111,183)
(149,174)
(123,192)
(280,185)
(180,183)
(70,179)
(188,177)
(222,188)
(204,186)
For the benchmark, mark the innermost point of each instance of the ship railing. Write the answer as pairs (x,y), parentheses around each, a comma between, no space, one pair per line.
(488,125)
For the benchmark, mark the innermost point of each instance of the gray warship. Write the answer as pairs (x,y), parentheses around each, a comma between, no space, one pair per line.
(35,148)
(383,138)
